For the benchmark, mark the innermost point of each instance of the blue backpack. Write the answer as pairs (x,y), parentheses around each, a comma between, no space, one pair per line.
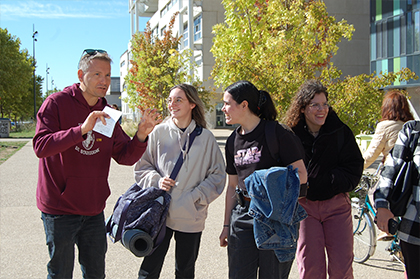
(139,218)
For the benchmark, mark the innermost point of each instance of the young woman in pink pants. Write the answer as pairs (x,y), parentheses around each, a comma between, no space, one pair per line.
(334,164)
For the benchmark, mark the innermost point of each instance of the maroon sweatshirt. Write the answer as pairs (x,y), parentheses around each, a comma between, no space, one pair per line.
(73,169)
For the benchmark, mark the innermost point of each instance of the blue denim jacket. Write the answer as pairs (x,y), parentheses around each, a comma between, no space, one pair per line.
(274,206)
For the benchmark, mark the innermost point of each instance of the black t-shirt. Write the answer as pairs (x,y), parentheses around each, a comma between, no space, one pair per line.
(248,153)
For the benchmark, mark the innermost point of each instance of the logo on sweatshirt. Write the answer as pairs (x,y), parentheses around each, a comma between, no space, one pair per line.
(247,156)
(89,141)
(88,144)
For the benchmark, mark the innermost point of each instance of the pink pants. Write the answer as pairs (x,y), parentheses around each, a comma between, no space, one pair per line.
(329,228)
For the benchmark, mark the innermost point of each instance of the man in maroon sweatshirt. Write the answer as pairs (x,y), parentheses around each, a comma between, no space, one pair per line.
(74,165)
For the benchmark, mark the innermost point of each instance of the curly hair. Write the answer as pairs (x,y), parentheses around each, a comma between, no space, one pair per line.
(192,95)
(302,98)
(395,107)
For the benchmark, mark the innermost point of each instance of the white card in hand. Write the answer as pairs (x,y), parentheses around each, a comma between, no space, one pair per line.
(107,129)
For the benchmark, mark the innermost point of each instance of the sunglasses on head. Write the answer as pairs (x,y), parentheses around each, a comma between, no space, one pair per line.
(91,51)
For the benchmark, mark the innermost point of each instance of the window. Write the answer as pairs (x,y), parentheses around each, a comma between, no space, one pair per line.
(167,7)
(162,31)
(409,33)
(185,35)
(378,40)
(197,28)
(403,36)
(155,31)
(198,60)
(416,31)
(384,39)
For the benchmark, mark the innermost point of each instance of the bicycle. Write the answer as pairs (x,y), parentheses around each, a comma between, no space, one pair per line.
(364,229)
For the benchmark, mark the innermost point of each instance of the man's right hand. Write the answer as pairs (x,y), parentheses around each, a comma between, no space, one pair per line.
(91,121)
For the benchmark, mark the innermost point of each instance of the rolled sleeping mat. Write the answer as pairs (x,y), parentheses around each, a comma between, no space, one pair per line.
(138,242)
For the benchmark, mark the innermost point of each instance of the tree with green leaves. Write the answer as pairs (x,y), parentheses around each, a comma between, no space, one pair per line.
(16,83)
(279,44)
(158,65)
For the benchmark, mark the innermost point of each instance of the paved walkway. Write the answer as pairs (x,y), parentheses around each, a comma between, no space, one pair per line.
(23,253)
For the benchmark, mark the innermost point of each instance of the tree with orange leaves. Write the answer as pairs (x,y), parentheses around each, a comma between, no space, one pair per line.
(158,65)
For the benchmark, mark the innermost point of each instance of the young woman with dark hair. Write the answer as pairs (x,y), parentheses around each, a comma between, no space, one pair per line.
(247,151)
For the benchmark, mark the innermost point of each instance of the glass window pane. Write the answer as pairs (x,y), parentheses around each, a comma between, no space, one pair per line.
(185,35)
(197,28)
(378,40)
(410,33)
(416,30)
(403,36)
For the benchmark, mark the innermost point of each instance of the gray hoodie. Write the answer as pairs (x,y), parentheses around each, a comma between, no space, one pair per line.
(201,178)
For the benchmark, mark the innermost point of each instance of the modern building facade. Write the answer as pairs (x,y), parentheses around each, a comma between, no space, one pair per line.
(386,38)
(395,41)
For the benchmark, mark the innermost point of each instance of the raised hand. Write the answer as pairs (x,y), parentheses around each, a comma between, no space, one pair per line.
(150,118)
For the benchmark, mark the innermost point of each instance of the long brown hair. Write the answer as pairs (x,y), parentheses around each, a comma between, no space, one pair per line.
(192,95)
(395,107)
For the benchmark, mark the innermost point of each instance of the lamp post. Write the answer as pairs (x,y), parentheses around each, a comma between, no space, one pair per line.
(34,40)
(46,82)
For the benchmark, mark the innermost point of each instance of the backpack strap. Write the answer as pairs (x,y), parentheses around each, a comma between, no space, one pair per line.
(270,133)
(197,131)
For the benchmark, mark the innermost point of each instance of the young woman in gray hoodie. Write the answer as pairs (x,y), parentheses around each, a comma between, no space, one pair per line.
(200,181)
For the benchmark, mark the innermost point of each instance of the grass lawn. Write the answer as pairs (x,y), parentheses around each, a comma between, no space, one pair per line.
(8,148)
(24,131)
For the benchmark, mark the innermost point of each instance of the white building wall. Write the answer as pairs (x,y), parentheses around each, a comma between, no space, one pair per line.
(211,11)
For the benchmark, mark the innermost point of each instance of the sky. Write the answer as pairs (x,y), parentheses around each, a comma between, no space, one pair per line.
(65,28)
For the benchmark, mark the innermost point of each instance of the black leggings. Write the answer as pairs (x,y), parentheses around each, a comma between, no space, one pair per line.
(186,252)
(411,255)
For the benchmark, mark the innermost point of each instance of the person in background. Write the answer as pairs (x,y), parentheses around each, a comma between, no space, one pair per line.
(252,109)
(395,111)
(334,164)
(409,227)
(200,181)
(74,165)
(114,106)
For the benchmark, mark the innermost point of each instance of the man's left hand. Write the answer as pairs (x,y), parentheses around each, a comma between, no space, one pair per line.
(150,118)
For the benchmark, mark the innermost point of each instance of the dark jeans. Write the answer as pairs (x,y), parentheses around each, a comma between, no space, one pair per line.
(411,255)
(245,259)
(87,232)
(186,253)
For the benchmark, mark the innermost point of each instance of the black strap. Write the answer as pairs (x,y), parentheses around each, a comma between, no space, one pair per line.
(413,144)
(197,131)
(270,133)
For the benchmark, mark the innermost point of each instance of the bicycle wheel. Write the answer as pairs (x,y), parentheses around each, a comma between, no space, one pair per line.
(364,235)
